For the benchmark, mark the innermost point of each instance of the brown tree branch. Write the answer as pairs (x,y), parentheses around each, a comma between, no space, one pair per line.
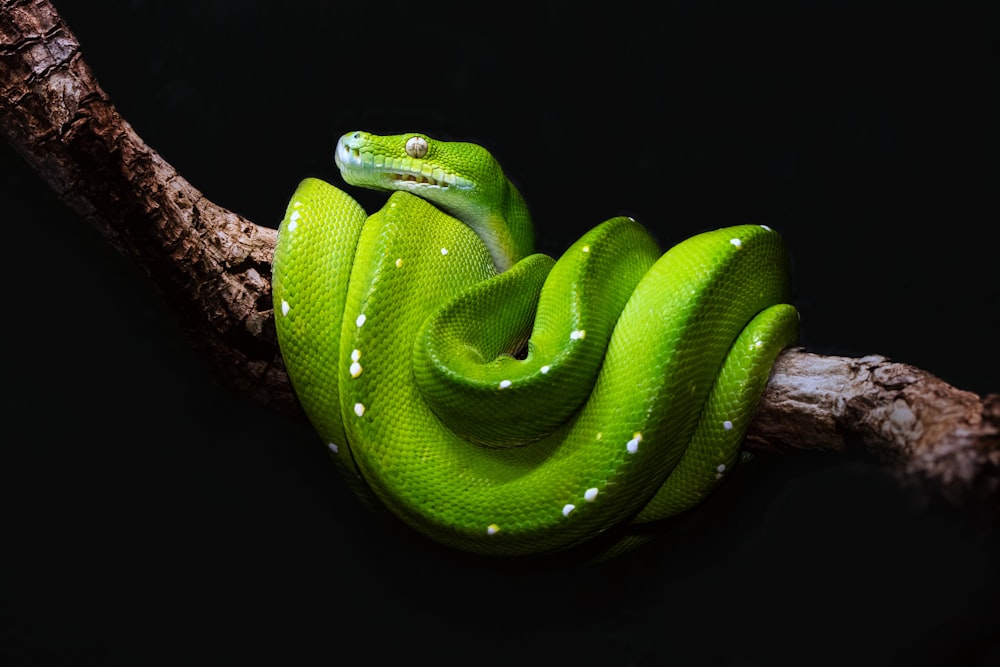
(930,431)
(213,267)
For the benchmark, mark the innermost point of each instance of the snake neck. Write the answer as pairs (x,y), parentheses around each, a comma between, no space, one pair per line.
(505,229)
(462,179)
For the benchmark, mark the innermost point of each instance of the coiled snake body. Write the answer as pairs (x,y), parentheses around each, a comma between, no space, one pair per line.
(500,401)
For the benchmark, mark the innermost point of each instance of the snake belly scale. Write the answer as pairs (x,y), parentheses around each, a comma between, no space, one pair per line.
(501,401)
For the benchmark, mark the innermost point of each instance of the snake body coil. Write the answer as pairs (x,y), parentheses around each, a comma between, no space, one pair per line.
(500,401)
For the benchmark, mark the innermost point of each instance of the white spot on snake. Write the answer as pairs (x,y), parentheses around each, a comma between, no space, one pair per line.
(492,529)
(577,334)
(333,447)
(293,220)
(355,371)
(444,251)
(590,495)
(399,262)
(757,344)
(728,425)
(633,445)
(361,320)
(545,369)
(504,384)
(567,508)
(736,242)
(297,204)
(284,307)
(359,409)
(586,248)
(600,436)
(292,225)
(356,355)
(765,227)
(722,467)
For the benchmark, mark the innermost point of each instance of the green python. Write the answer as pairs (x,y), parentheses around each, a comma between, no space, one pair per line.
(498,400)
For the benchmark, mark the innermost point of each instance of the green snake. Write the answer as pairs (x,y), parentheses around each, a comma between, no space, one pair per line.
(500,401)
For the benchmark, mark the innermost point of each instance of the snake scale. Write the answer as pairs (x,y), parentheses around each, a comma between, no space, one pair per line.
(496,399)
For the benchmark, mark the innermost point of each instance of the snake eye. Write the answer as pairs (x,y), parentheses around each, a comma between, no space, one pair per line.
(416,147)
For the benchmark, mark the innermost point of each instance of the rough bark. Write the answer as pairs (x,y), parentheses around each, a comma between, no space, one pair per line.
(930,431)
(213,267)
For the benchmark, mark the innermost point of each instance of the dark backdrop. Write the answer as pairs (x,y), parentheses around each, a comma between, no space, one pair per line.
(151,517)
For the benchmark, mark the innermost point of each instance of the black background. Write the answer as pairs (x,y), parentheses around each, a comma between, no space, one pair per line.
(151,517)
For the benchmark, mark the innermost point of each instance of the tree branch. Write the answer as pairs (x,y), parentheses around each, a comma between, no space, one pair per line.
(211,265)
(928,430)
(213,268)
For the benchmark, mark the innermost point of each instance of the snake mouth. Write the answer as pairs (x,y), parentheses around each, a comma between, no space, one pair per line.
(417,179)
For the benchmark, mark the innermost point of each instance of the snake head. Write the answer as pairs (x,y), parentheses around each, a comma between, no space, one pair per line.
(463,179)
(457,176)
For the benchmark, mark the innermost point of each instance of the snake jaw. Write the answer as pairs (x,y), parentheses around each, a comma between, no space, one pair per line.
(415,179)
